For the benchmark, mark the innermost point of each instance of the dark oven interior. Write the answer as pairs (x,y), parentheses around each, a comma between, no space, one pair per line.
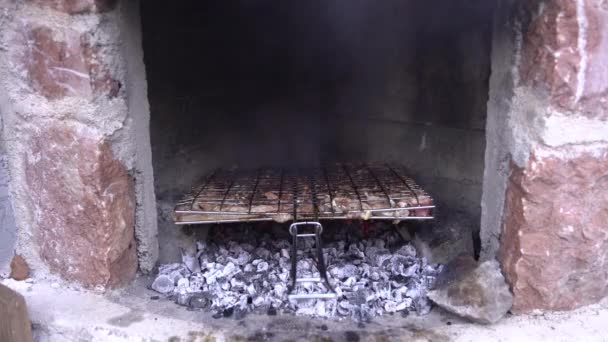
(303,84)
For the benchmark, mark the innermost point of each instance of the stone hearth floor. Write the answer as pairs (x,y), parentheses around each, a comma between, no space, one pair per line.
(67,314)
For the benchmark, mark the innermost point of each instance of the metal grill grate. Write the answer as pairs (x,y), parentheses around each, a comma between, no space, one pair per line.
(340,191)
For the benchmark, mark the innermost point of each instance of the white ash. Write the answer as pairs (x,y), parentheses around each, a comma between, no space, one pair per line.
(249,270)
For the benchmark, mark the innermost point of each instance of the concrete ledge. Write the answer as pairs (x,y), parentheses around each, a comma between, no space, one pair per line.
(63,314)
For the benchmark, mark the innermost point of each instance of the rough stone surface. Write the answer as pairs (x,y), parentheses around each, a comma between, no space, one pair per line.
(481,296)
(455,270)
(554,244)
(56,66)
(67,63)
(101,80)
(76,6)
(565,53)
(85,207)
(19,268)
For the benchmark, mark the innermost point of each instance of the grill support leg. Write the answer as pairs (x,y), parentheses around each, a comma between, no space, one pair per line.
(293,230)
(294,260)
(321,260)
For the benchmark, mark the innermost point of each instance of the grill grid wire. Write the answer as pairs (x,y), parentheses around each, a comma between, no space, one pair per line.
(339,191)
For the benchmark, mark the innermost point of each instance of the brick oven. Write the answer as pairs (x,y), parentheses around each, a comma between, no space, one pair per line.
(114,111)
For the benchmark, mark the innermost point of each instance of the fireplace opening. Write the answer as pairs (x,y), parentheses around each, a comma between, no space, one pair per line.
(278,85)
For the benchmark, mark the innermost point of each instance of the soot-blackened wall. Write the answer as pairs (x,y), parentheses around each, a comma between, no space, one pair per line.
(296,83)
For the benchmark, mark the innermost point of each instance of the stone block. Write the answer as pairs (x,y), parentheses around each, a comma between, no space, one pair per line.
(554,243)
(56,65)
(66,63)
(83,206)
(565,53)
(76,6)
(19,268)
(481,295)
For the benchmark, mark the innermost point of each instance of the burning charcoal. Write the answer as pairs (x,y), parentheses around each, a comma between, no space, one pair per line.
(163,284)
(285,253)
(403,305)
(183,284)
(229,300)
(211,276)
(258,301)
(182,298)
(368,279)
(247,247)
(242,259)
(343,271)
(383,290)
(199,301)
(228,312)
(272,311)
(208,266)
(422,305)
(234,247)
(361,296)
(225,286)
(379,243)
(191,261)
(284,263)
(168,268)
(403,266)
(305,308)
(262,253)
(320,308)
(339,292)
(239,313)
(281,244)
(177,276)
(349,282)
(196,281)
(381,258)
(362,313)
(344,308)
(237,285)
(355,251)
(262,267)
(407,250)
(280,290)
(229,270)
(413,289)
(365,270)
(399,294)
(390,306)
(251,290)
(174,271)
(303,265)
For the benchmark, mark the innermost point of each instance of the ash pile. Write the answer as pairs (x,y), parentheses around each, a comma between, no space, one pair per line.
(243,269)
